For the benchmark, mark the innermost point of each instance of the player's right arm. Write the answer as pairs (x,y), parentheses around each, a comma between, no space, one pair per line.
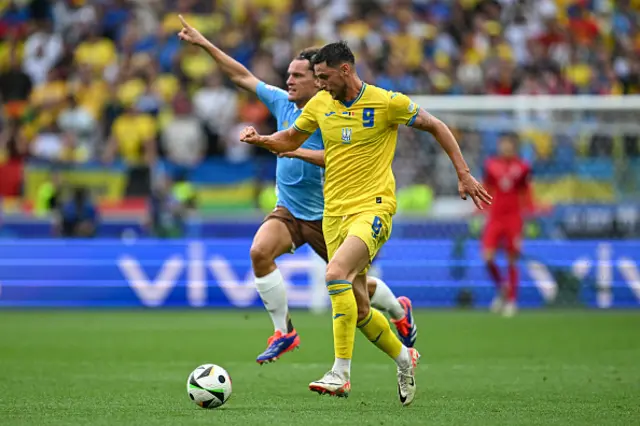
(233,69)
(289,139)
(279,142)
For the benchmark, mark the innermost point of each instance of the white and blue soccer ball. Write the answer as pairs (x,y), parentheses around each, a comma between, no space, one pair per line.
(209,386)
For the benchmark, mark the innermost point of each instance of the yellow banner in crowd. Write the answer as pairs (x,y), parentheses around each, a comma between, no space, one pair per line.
(105,185)
(236,196)
(571,189)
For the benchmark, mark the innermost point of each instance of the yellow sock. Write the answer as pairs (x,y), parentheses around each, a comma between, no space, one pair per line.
(345,316)
(376,327)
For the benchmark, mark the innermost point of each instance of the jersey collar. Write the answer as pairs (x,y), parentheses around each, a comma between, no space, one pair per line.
(350,103)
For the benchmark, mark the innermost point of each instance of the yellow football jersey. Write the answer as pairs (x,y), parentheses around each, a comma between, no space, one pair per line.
(360,142)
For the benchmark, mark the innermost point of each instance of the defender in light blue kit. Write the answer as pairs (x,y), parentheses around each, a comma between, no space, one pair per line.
(298,183)
(297,218)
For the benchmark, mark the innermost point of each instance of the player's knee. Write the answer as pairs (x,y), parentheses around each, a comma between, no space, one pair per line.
(337,270)
(261,259)
(363,310)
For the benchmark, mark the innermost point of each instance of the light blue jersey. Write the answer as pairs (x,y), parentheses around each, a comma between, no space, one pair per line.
(299,184)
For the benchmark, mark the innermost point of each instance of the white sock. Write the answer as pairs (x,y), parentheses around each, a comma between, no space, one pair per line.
(404,359)
(272,292)
(384,299)
(342,366)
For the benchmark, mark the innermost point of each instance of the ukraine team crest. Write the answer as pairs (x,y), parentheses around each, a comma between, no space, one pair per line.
(346,135)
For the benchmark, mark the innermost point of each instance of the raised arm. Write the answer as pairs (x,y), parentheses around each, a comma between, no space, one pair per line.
(313,156)
(282,141)
(467,184)
(233,69)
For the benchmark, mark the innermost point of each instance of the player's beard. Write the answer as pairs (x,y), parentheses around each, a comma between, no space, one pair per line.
(341,94)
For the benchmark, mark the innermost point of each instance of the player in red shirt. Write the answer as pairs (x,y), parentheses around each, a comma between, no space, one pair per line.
(507,178)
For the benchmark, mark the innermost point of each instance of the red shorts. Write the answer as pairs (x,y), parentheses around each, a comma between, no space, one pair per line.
(503,234)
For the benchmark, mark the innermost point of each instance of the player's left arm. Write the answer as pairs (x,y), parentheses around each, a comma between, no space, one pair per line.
(313,156)
(467,184)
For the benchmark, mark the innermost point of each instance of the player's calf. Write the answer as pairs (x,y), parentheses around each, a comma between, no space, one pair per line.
(511,294)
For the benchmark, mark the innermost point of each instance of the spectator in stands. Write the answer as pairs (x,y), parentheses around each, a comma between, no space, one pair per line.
(42,50)
(15,88)
(114,17)
(168,47)
(72,17)
(80,128)
(49,144)
(95,51)
(183,139)
(48,99)
(406,41)
(49,196)
(133,139)
(13,144)
(169,205)
(14,19)
(12,153)
(149,101)
(396,78)
(216,107)
(78,216)
(90,94)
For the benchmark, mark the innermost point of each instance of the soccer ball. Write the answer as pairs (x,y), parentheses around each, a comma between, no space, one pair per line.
(209,386)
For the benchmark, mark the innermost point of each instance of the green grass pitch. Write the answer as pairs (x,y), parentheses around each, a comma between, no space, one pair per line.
(130,367)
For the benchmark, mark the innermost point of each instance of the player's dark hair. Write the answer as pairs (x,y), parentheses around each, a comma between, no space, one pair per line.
(307,55)
(334,54)
(513,137)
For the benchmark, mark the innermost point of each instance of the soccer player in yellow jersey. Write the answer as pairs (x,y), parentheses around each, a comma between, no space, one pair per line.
(297,218)
(359,124)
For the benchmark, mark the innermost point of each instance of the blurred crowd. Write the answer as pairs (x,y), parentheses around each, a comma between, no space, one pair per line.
(108,80)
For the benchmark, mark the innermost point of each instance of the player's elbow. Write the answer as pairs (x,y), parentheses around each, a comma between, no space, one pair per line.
(428,123)
(294,138)
(436,127)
